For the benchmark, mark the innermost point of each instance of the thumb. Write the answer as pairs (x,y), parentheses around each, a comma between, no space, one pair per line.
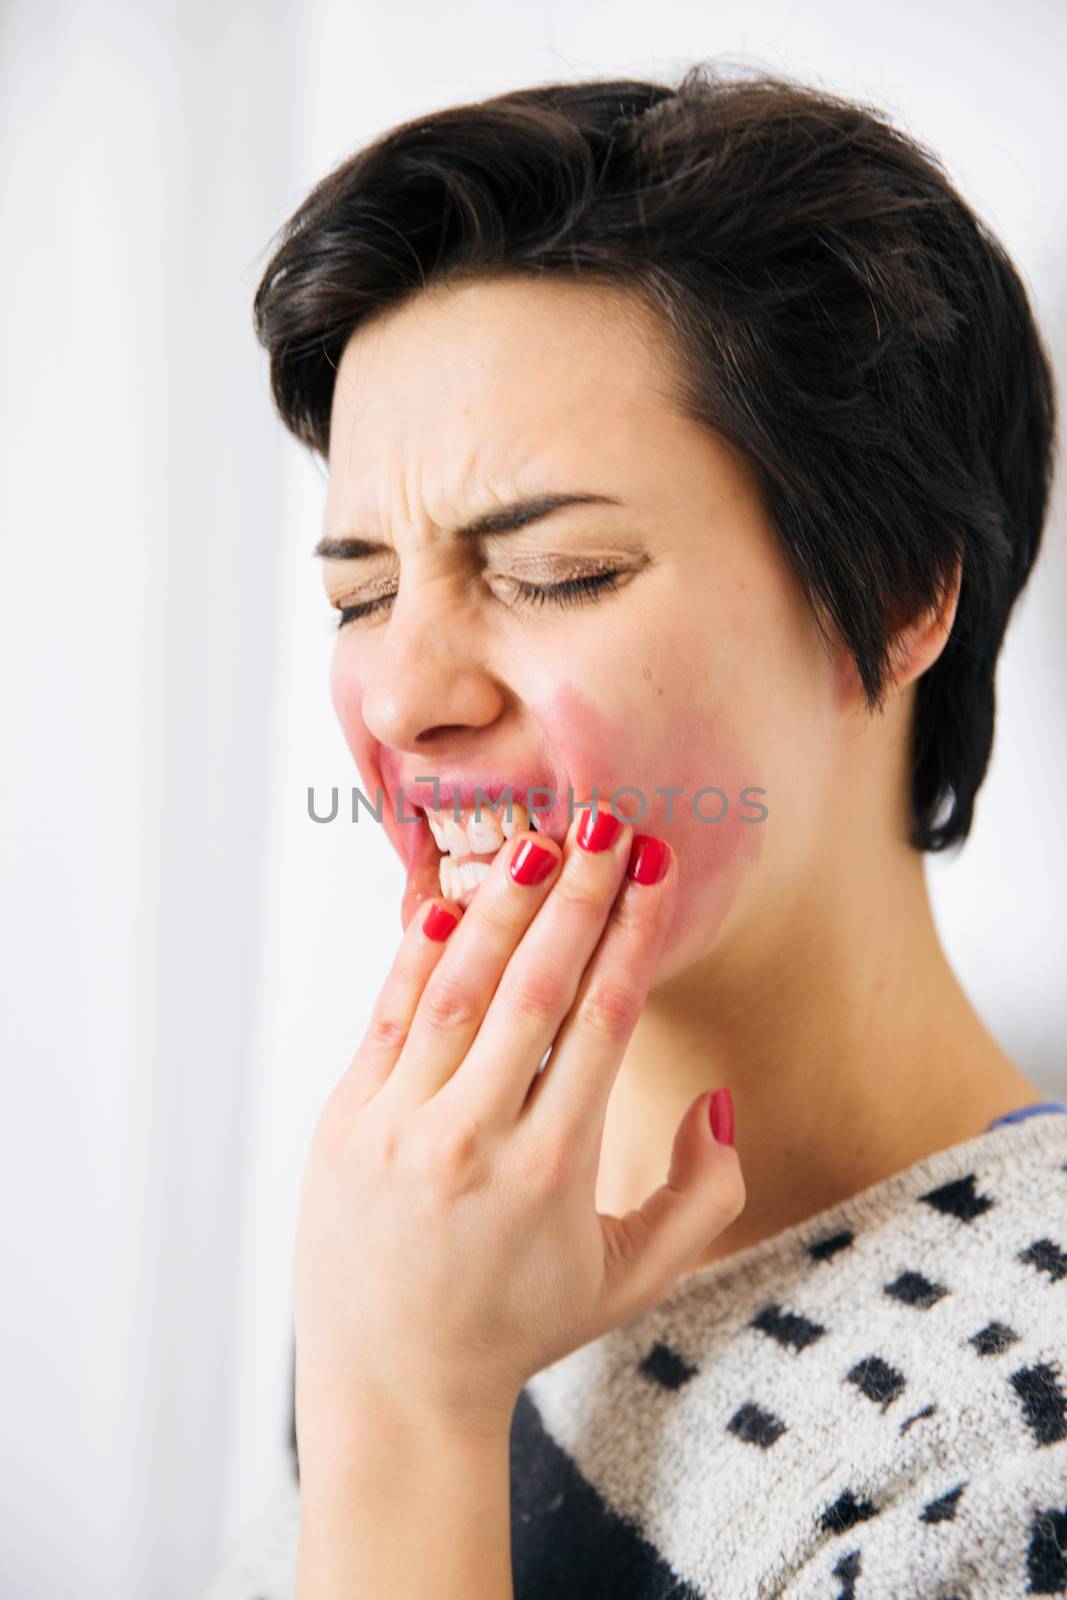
(651,1247)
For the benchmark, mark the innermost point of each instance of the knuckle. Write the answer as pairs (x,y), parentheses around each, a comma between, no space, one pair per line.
(547,1166)
(634,914)
(448,1006)
(580,891)
(386,1032)
(538,995)
(454,1160)
(496,918)
(336,1126)
(611,1009)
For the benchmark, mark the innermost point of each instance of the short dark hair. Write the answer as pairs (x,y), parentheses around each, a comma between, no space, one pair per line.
(835,309)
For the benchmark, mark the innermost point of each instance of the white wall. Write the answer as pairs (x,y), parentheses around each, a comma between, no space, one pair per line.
(188,961)
(143,160)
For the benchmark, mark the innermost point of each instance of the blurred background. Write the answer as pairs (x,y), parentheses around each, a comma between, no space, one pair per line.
(189,961)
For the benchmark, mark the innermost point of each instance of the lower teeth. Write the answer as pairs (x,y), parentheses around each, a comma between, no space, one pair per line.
(458,880)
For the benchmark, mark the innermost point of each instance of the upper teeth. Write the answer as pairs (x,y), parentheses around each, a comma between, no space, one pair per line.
(474,834)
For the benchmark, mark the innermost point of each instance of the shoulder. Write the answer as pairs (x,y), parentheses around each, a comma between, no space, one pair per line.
(881,1391)
(943,1375)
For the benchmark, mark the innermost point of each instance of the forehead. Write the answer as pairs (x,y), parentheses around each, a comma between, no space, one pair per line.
(494,381)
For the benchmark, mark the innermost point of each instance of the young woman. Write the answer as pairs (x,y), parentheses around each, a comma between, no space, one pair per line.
(688,450)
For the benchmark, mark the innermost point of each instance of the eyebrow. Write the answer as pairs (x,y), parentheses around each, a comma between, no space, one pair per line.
(506,519)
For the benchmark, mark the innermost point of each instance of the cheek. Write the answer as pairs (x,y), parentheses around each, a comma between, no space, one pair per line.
(346,694)
(715,844)
(644,750)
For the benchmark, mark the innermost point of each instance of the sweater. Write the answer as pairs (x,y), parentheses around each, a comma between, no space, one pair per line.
(870,1405)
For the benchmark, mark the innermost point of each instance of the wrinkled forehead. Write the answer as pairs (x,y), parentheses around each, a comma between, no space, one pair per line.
(502,371)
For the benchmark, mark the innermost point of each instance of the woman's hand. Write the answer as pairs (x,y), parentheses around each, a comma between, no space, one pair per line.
(448,1243)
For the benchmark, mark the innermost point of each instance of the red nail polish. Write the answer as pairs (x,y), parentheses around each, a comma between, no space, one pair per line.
(649,858)
(597,834)
(531,862)
(721,1115)
(438,923)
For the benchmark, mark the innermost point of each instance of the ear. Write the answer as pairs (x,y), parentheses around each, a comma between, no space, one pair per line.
(916,646)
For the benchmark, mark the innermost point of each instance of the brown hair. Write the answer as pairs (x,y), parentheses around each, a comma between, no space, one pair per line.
(836,310)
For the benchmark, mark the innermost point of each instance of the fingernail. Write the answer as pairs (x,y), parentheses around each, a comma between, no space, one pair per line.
(721,1114)
(438,923)
(649,858)
(531,862)
(596,831)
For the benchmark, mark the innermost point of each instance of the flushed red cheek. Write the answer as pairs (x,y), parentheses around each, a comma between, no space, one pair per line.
(346,693)
(716,846)
(693,755)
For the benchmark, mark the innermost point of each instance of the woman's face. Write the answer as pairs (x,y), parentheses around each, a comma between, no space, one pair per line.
(701,669)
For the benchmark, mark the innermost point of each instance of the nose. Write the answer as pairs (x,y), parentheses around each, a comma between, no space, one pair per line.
(426,677)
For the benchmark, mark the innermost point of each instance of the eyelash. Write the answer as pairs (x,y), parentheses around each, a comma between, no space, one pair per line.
(575,592)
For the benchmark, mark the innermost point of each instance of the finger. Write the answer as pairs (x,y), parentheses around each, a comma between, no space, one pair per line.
(419,951)
(540,982)
(462,984)
(647,1251)
(569,1099)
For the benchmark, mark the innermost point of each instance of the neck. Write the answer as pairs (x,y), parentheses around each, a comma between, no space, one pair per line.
(844,1036)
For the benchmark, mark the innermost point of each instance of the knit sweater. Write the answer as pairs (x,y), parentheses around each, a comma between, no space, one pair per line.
(870,1405)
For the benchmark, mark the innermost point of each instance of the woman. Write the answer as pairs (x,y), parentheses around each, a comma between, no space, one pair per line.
(688,449)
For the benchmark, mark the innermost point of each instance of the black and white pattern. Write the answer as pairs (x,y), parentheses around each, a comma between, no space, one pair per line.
(871,1405)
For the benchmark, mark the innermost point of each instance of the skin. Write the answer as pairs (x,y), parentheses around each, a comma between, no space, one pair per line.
(802,967)
(479,1256)
(793,959)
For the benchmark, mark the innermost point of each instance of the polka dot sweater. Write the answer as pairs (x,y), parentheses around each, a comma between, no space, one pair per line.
(871,1405)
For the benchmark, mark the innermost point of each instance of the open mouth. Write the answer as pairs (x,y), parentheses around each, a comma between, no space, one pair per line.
(467,846)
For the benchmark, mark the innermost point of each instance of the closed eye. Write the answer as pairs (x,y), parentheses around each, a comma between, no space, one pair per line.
(574,592)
